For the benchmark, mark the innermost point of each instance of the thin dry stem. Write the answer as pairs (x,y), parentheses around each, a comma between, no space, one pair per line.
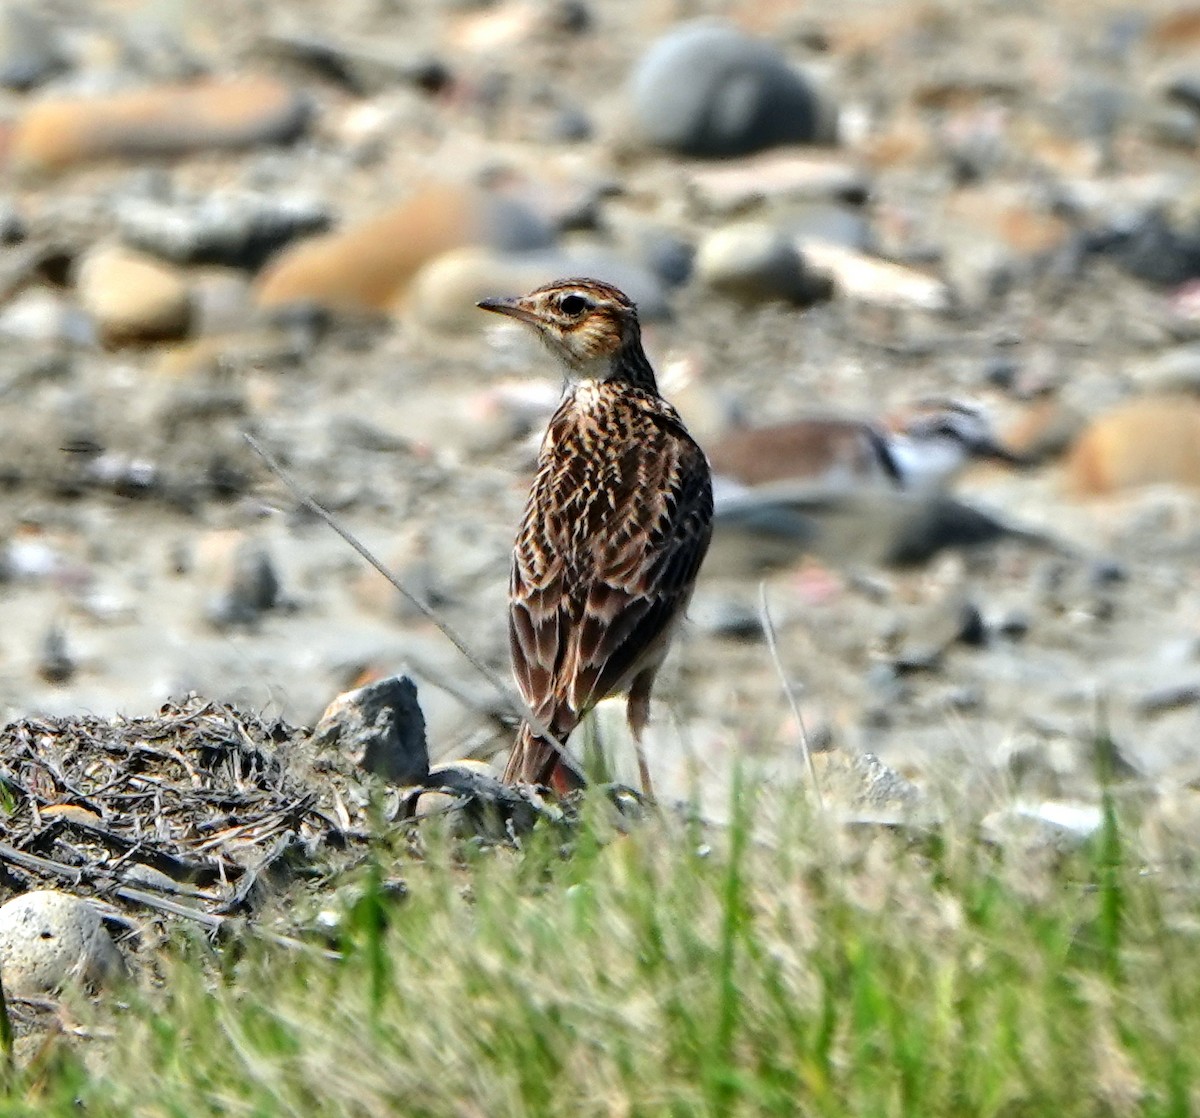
(768,628)
(511,701)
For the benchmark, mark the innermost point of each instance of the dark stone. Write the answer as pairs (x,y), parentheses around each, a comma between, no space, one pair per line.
(1155,251)
(669,257)
(253,587)
(569,125)
(1001,372)
(237,229)
(13,228)
(571,17)
(381,727)
(707,89)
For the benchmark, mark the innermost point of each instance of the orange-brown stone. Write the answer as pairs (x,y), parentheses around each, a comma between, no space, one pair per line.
(159,122)
(1153,439)
(369,265)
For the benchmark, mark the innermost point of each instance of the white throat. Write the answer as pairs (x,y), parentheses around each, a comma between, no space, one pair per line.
(925,464)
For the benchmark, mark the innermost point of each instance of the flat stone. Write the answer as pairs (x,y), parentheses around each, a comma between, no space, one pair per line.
(708,89)
(856,275)
(235,228)
(161,122)
(132,298)
(777,177)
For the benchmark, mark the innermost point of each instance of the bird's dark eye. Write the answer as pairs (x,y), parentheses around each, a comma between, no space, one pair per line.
(572,304)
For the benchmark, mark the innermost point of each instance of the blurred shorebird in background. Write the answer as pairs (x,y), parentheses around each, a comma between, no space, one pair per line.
(850,489)
(615,529)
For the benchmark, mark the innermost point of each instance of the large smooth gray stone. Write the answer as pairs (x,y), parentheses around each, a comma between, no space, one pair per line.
(707,89)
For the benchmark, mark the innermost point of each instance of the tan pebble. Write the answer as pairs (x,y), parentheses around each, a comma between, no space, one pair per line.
(1148,440)
(444,293)
(872,280)
(775,177)
(369,265)
(1178,30)
(132,298)
(498,28)
(163,121)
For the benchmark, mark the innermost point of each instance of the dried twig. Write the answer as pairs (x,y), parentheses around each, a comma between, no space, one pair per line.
(510,700)
(768,627)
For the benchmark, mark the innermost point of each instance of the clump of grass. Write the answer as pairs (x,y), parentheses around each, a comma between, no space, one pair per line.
(675,970)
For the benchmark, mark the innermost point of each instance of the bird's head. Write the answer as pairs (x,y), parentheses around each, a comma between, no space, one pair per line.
(591,326)
(957,424)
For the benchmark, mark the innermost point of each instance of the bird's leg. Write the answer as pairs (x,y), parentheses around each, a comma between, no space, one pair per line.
(637,711)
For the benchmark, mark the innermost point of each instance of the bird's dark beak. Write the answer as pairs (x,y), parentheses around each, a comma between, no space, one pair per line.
(997,452)
(514,308)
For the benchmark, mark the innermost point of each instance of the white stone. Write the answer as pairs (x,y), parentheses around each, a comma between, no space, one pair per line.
(48,939)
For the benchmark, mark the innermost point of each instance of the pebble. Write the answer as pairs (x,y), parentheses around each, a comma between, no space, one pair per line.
(1174,370)
(934,629)
(369,266)
(707,89)
(1047,823)
(856,275)
(161,122)
(753,261)
(42,316)
(777,178)
(723,615)
(1156,250)
(239,229)
(49,939)
(132,298)
(55,663)
(1146,440)
(381,728)
(243,577)
(30,50)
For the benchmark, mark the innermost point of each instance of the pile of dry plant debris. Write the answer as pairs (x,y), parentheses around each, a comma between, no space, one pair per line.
(190,813)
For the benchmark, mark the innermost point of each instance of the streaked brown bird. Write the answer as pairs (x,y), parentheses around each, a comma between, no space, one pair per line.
(615,529)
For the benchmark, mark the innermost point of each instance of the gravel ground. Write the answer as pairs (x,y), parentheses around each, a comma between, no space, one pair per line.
(1038,162)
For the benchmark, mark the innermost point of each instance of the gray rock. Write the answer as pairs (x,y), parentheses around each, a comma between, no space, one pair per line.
(48,939)
(513,226)
(1153,248)
(755,262)
(381,727)
(829,224)
(237,228)
(707,89)
(30,52)
(253,587)
(55,663)
(13,227)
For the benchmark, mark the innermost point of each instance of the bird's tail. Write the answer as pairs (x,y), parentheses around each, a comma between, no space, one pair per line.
(534,760)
